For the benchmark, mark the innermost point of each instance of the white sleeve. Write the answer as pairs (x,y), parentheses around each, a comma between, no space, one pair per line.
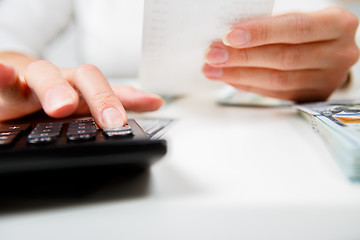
(28,26)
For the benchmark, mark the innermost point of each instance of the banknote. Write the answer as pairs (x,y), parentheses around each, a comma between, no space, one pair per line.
(338,123)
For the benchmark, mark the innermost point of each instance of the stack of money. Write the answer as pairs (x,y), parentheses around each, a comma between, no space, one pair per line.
(338,123)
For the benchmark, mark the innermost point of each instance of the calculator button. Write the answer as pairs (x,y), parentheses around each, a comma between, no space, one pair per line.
(49,127)
(50,124)
(45,133)
(42,140)
(88,126)
(14,128)
(119,129)
(7,140)
(82,127)
(87,120)
(9,133)
(80,131)
(81,123)
(10,137)
(50,130)
(47,130)
(118,133)
(81,137)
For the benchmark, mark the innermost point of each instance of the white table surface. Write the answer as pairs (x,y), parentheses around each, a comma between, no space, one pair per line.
(230,173)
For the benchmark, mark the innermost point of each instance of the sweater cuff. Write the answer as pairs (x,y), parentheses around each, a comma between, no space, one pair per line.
(9,43)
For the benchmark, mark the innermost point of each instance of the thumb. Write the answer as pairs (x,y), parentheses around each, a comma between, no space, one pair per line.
(7,76)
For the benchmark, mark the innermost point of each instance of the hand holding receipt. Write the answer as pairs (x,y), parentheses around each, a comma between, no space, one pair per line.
(176,34)
(292,56)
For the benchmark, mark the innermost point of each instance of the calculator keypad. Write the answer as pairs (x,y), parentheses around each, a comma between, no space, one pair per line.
(8,139)
(54,144)
(45,133)
(9,133)
(51,132)
(81,130)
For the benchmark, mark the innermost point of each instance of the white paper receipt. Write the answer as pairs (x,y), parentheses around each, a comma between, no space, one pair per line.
(176,35)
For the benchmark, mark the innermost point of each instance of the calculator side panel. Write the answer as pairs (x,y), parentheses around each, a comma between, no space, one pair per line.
(135,150)
(141,154)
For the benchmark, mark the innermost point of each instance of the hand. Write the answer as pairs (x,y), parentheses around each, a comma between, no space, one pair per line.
(297,56)
(62,92)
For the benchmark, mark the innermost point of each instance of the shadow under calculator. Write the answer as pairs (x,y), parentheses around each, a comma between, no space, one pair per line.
(63,188)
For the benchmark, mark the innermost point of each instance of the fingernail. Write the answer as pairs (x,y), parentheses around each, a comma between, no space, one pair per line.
(216,55)
(212,72)
(236,38)
(112,117)
(58,97)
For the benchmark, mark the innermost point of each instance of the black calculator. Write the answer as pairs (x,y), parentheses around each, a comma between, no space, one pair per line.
(61,144)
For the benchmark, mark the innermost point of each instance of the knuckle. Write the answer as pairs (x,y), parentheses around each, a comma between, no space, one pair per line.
(85,69)
(103,100)
(354,54)
(291,56)
(36,66)
(350,22)
(279,80)
(301,25)
(336,12)
(243,56)
(262,33)
(347,20)
(346,55)
(350,54)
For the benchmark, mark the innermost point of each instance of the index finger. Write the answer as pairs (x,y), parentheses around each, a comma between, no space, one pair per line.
(292,28)
(103,104)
